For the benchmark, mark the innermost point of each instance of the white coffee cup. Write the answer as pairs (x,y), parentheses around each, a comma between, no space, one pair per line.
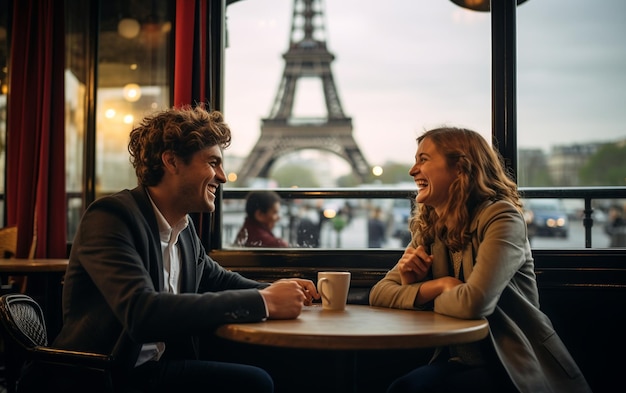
(333,288)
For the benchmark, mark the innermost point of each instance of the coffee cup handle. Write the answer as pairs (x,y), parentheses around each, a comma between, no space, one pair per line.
(320,288)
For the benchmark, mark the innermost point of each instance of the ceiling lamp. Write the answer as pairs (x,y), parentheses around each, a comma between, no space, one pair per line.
(128,28)
(132,92)
(478,5)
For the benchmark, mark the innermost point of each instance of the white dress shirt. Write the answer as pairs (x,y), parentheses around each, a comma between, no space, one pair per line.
(171,273)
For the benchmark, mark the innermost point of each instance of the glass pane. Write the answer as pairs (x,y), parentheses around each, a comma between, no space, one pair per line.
(325,223)
(76,93)
(404,68)
(571,93)
(133,80)
(398,68)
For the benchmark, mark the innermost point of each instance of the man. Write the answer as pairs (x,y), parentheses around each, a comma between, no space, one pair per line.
(139,281)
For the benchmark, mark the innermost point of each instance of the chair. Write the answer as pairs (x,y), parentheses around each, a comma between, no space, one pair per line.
(8,242)
(26,341)
(8,249)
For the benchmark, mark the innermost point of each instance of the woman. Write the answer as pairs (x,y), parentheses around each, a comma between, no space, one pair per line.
(470,258)
(262,214)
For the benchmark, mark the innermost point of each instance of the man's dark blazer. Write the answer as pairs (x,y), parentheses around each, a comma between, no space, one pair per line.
(114,290)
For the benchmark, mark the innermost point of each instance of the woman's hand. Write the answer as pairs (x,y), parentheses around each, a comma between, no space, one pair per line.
(414,264)
(430,289)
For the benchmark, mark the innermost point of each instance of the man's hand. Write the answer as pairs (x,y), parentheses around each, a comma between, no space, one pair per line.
(285,298)
(414,265)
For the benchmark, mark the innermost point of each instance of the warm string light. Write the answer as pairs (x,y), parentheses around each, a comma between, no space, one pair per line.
(132,92)
(128,28)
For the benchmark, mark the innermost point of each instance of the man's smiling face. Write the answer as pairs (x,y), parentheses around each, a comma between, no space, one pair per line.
(200,179)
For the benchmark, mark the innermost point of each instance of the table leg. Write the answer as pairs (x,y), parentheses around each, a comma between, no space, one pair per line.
(347,377)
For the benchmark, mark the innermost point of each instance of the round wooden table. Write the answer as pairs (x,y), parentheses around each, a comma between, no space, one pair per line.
(359,328)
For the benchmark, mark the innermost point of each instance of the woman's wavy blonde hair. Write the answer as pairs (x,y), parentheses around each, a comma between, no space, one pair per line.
(482,177)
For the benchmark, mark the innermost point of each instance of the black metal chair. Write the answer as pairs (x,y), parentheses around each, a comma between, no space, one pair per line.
(26,342)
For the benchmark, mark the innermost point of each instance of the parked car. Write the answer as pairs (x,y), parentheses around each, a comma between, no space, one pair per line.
(546,217)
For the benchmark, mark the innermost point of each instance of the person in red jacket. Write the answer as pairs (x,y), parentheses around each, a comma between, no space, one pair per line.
(262,214)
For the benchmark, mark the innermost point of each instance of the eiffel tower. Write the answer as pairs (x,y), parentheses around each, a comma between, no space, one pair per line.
(282,132)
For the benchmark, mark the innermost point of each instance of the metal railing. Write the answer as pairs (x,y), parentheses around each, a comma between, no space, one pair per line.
(587,194)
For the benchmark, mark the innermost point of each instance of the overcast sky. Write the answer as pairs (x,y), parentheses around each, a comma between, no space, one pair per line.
(403,66)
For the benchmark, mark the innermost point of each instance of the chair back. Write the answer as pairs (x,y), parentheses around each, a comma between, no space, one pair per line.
(23,321)
(26,339)
(8,249)
(8,242)
(23,330)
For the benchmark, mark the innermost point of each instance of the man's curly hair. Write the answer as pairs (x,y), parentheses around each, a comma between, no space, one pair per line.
(183,131)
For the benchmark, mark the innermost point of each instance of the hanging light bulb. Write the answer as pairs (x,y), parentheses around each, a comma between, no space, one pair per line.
(478,5)
(128,28)
(132,92)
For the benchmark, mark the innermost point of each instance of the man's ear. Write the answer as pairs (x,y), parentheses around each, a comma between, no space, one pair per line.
(170,161)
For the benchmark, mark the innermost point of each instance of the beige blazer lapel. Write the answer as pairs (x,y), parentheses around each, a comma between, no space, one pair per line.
(468,261)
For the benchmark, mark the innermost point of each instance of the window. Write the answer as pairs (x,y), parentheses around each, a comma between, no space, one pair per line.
(571,77)
(396,70)
(401,69)
(132,80)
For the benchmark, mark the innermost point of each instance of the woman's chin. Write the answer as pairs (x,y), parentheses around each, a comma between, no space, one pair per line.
(422,198)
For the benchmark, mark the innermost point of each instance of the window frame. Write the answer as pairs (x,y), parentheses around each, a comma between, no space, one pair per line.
(563,267)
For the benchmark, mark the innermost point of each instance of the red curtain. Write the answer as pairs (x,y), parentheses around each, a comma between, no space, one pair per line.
(190,71)
(191,51)
(35,194)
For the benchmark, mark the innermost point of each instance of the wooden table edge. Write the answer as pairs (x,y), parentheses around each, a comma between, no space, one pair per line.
(246,333)
(349,343)
(25,266)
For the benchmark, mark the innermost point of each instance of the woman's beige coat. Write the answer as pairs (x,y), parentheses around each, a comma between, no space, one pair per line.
(500,285)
